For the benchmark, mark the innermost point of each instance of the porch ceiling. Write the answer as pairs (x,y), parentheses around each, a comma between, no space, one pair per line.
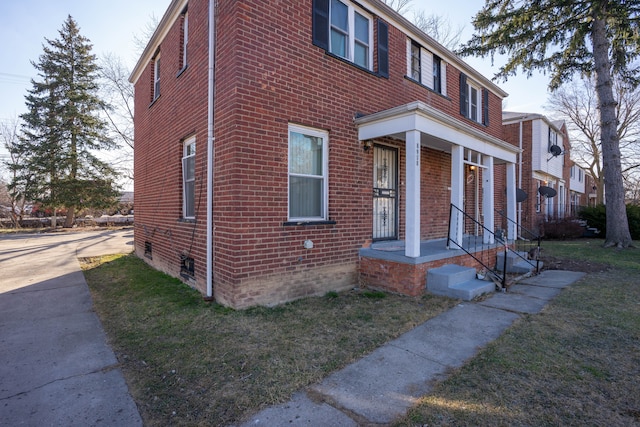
(438,131)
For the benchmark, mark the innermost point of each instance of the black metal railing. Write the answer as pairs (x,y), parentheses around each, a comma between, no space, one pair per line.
(527,244)
(525,247)
(476,247)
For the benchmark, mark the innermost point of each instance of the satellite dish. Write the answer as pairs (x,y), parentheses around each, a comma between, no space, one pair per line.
(547,192)
(555,150)
(521,195)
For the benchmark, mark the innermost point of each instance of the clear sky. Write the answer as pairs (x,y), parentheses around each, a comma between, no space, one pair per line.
(111,25)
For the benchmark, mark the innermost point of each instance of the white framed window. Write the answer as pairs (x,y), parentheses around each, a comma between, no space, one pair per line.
(185,37)
(474,101)
(553,138)
(156,76)
(425,67)
(350,33)
(415,62)
(437,74)
(308,174)
(538,199)
(189,178)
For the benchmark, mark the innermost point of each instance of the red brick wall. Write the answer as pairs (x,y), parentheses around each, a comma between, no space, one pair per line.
(268,74)
(411,279)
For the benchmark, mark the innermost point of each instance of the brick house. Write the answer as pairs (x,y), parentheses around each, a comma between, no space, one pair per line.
(290,148)
(544,163)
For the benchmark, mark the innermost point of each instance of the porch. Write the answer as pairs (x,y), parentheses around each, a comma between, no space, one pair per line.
(385,266)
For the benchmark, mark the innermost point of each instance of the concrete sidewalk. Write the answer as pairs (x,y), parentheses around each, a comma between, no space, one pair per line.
(385,384)
(56,368)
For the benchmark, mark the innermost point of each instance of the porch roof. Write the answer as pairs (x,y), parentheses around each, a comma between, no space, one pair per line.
(438,130)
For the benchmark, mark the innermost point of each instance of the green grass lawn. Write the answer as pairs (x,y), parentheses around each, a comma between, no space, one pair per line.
(576,363)
(189,362)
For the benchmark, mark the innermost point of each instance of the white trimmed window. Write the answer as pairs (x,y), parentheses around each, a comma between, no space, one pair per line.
(426,68)
(308,165)
(553,138)
(475,96)
(189,178)
(474,101)
(156,76)
(351,33)
(185,37)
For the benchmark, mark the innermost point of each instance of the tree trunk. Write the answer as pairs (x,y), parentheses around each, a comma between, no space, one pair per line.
(71,217)
(617,223)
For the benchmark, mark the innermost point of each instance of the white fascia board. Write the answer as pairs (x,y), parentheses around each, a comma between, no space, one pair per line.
(426,119)
(173,12)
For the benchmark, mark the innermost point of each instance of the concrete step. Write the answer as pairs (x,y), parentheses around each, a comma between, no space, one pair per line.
(456,281)
(444,277)
(473,288)
(516,264)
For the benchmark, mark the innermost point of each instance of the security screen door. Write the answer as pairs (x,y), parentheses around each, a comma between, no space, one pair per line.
(385,193)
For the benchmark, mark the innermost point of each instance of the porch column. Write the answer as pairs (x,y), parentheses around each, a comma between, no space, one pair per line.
(412,200)
(457,194)
(511,202)
(488,201)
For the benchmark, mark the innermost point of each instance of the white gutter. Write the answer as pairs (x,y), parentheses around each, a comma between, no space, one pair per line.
(520,173)
(210,140)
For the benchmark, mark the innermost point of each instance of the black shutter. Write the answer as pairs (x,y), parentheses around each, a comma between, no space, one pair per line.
(383,49)
(485,107)
(464,96)
(321,23)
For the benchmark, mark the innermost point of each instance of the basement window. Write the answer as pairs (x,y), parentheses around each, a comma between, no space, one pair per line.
(148,250)
(187,267)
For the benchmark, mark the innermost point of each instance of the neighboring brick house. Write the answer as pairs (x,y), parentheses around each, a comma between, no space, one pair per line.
(275,142)
(544,169)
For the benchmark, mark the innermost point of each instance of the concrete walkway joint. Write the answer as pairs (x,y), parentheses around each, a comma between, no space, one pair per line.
(383,385)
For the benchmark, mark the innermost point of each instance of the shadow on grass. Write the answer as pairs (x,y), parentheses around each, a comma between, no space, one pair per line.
(190,362)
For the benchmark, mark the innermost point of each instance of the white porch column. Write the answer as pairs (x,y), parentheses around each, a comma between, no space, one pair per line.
(511,201)
(412,204)
(457,194)
(488,200)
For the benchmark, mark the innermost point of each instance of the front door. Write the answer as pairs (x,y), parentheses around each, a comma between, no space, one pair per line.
(385,193)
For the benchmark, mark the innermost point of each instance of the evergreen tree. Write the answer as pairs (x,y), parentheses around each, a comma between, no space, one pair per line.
(570,38)
(63,129)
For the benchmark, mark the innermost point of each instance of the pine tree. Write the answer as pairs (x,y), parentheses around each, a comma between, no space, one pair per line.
(571,39)
(63,129)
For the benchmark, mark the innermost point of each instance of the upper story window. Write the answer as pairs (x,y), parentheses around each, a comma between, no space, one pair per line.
(474,101)
(156,76)
(189,178)
(426,68)
(185,39)
(345,30)
(415,62)
(580,175)
(308,165)
(437,74)
(553,138)
(351,32)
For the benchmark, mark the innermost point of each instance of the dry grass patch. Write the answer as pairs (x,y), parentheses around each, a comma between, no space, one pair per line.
(576,363)
(188,362)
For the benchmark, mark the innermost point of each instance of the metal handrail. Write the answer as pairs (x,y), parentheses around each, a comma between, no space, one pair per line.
(527,242)
(495,274)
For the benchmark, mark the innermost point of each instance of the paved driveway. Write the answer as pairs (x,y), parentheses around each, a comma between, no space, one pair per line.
(56,368)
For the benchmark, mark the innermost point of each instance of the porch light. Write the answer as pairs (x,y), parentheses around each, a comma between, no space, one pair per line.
(367,144)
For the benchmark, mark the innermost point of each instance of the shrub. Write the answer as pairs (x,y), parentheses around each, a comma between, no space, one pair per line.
(562,229)
(597,217)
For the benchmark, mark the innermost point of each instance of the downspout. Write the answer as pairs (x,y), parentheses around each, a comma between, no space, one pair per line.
(520,174)
(210,154)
